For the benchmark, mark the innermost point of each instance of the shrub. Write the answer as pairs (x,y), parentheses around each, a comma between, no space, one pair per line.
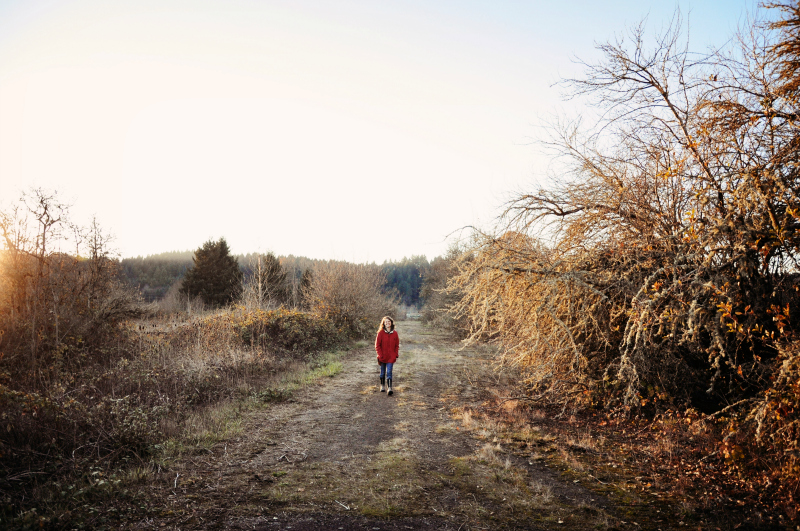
(349,295)
(438,299)
(662,260)
(56,310)
(166,372)
(672,259)
(281,331)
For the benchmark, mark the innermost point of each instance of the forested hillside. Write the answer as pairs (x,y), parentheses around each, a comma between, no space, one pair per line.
(405,278)
(155,274)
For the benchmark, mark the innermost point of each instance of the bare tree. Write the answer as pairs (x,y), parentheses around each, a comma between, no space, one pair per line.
(53,303)
(267,283)
(673,229)
(350,295)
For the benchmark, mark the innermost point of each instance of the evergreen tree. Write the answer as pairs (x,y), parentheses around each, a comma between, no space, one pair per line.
(404,278)
(214,276)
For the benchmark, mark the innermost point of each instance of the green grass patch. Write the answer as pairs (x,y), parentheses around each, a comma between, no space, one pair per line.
(212,424)
(324,365)
(460,466)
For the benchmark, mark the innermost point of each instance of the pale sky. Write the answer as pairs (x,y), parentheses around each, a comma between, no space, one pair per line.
(361,130)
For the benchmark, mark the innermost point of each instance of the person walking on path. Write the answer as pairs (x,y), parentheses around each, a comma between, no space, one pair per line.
(387,346)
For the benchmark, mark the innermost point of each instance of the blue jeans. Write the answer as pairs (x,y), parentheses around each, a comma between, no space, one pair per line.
(386,370)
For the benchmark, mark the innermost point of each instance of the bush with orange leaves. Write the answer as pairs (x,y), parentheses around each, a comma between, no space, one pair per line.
(663,259)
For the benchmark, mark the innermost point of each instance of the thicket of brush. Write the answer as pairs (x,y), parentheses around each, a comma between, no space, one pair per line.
(659,273)
(91,378)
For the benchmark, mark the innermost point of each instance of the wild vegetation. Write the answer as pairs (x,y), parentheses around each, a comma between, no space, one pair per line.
(158,277)
(439,299)
(650,288)
(657,276)
(95,384)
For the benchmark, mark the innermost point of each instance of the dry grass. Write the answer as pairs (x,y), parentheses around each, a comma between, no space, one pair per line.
(211,424)
(544,492)
(186,385)
(445,429)
(385,486)
(369,389)
(663,447)
(584,441)
(491,454)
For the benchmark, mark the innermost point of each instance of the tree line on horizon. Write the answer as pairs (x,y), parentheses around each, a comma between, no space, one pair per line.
(158,274)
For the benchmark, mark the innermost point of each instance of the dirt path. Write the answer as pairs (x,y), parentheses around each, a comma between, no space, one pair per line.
(341,455)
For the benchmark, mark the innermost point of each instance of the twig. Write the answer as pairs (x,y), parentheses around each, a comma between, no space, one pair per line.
(711,415)
(509,398)
(601,482)
(709,456)
(646,427)
(23,474)
(343,505)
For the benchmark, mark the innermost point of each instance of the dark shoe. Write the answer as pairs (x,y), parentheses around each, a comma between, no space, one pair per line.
(389,381)
(383,381)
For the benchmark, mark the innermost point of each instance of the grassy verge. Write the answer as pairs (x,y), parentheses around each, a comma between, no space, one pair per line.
(76,455)
(650,472)
(209,425)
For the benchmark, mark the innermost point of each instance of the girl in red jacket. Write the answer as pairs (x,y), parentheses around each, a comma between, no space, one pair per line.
(387,345)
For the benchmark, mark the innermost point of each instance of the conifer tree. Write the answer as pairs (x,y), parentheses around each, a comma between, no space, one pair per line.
(215,276)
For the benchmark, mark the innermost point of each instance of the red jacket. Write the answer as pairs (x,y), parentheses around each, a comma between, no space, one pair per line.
(387,345)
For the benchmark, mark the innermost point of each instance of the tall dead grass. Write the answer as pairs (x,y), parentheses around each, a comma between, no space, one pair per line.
(172,380)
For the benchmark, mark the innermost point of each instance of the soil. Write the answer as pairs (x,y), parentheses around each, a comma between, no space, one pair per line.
(342,455)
